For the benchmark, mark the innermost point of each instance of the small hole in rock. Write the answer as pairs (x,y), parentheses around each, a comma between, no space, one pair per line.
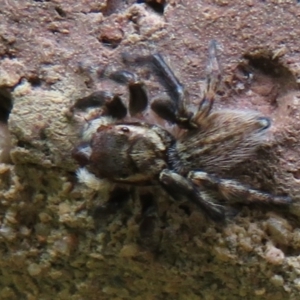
(112,6)
(35,81)
(5,104)
(267,74)
(54,31)
(110,43)
(157,5)
(267,65)
(296,174)
(23,144)
(60,12)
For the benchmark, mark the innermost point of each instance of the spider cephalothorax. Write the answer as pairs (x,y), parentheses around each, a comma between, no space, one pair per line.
(119,149)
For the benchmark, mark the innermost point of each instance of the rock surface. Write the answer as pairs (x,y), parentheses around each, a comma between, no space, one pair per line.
(53,244)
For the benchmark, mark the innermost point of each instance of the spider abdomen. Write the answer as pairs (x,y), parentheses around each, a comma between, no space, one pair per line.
(223,139)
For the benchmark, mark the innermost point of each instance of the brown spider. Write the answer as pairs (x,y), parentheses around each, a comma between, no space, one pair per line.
(124,151)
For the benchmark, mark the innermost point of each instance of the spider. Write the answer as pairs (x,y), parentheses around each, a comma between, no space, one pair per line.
(119,148)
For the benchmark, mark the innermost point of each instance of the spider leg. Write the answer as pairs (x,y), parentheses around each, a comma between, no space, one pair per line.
(234,191)
(111,104)
(173,109)
(117,199)
(138,99)
(91,181)
(148,215)
(212,81)
(181,188)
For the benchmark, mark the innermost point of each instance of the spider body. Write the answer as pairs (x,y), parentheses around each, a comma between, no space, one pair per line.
(133,153)
(120,147)
(223,139)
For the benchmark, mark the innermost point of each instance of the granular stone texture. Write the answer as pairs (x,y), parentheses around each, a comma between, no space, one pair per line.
(55,243)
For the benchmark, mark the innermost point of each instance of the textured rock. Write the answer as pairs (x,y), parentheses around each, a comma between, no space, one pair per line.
(51,244)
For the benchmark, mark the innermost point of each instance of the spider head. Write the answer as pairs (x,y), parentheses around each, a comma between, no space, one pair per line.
(107,153)
(127,152)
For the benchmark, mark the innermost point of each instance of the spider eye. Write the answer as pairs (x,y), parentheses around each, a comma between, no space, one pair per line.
(125,129)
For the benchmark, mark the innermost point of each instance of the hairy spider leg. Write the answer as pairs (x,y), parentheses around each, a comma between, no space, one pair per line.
(118,198)
(148,214)
(172,109)
(174,87)
(181,188)
(234,191)
(213,79)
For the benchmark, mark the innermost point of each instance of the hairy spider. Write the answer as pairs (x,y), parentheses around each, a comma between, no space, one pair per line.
(119,148)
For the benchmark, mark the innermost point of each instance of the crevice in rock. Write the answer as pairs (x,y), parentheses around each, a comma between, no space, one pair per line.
(5,104)
(267,64)
(35,81)
(60,12)
(157,5)
(112,6)
(263,67)
(111,43)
